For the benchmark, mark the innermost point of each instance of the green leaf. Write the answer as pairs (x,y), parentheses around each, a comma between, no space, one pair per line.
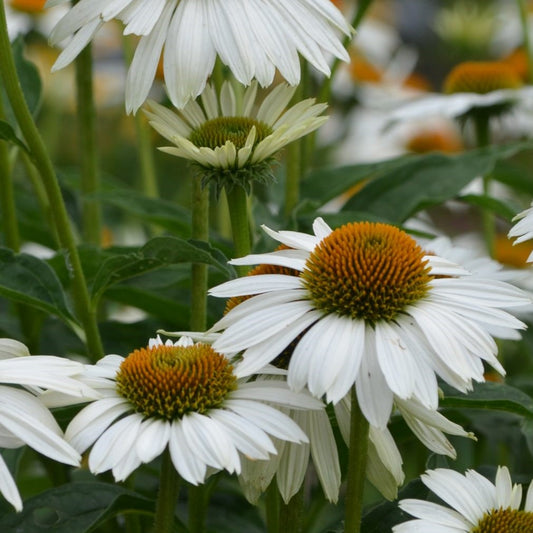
(74,508)
(156,253)
(29,78)
(490,395)
(27,279)
(421,181)
(397,188)
(7,133)
(493,204)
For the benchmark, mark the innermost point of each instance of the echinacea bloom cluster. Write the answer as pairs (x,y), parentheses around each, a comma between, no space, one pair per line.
(186,397)
(234,144)
(476,505)
(523,229)
(252,37)
(24,419)
(373,309)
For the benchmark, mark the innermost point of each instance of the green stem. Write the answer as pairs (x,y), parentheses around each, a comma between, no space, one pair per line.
(291,513)
(272,500)
(240,226)
(7,196)
(481,122)
(44,164)
(356,467)
(200,231)
(90,183)
(362,8)
(198,501)
(167,496)
(522,8)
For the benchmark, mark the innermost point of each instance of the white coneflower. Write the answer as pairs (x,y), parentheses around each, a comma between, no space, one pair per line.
(477,505)
(236,144)
(373,310)
(186,397)
(523,229)
(24,420)
(252,37)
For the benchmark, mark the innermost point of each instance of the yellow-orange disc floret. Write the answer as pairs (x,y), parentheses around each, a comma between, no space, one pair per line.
(169,381)
(481,77)
(434,140)
(366,271)
(505,521)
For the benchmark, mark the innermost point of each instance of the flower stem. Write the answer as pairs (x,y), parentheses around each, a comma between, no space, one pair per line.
(291,513)
(522,8)
(44,164)
(359,15)
(198,500)
(167,496)
(240,228)
(200,231)
(356,467)
(272,499)
(481,122)
(7,196)
(90,183)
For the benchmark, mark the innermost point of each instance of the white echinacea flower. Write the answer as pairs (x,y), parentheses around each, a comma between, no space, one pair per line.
(186,397)
(252,37)
(477,505)
(369,308)
(24,419)
(235,142)
(523,229)
(488,88)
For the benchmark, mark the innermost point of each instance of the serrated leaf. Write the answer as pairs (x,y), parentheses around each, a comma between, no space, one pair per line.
(7,133)
(27,279)
(489,395)
(74,508)
(156,253)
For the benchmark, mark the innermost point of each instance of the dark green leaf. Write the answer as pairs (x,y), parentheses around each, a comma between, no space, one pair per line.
(74,508)
(7,133)
(27,279)
(156,253)
(29,78)
(420,181)
(490,203)
(490,395)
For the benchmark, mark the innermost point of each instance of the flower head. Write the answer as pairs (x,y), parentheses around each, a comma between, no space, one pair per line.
(185,396)
(374,310)
(486,87)
(523,229)
(477,505)
(24,419)
(234,145)
(252,37)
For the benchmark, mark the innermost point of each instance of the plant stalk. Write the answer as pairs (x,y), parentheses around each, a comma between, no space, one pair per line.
(167,496)
(356,467)
(240,225)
